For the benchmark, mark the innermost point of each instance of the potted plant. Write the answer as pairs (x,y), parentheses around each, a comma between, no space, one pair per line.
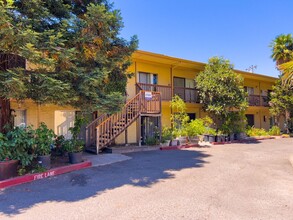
(211,134)
(75,146)
(44,140)
(8,166)
(74,149)
(194,129)
(16,148)
(166,136)
(220,136)
(207,122)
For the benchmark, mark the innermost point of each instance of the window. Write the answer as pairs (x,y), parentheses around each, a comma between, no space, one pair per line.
(179,85)
(20,118)
(148,78)
(250,119)
(185,89)
(144,78)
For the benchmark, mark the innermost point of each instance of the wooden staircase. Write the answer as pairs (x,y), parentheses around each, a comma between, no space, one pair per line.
(108,128)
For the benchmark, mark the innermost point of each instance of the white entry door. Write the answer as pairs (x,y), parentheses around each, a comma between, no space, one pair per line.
(63,120)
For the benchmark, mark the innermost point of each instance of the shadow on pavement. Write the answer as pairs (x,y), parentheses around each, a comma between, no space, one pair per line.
(144,170)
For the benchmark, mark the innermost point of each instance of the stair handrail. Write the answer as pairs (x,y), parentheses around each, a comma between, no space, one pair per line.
(138,88)
(90,136)
(124,107)
(115,124)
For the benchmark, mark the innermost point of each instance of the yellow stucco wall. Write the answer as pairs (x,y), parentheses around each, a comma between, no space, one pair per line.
(46,112)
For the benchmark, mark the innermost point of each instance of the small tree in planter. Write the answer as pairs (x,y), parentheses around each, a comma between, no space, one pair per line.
(221,90)
(43,145)
(179,119)
(75,147)
(208,130)
(194,128)
(166,136)
(234,124)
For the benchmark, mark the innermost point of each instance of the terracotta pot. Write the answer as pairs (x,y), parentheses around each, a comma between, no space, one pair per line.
(8,169)
(75,157)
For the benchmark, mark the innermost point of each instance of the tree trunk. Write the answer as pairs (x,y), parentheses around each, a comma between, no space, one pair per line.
(287,119)
(5,113)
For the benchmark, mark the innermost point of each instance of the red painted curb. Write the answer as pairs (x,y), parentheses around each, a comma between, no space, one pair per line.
(220,143)
(38,176)
(178,147)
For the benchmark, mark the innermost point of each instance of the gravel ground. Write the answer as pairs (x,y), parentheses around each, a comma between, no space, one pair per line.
(236,181)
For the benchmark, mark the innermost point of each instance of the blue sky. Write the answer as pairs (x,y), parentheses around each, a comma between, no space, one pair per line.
(238,30)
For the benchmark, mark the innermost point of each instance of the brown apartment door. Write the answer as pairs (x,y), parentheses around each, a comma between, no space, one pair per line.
(250,119)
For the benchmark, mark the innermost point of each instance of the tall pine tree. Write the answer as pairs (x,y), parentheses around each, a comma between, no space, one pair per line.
(72,50)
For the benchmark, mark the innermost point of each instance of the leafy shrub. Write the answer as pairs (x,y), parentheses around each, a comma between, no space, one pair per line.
(255,132)
(275,130)
(196,127)
(5,153)
(20,142)
(73,146)
(151,141)
(43,140)
(166,134)
(210,131)
(235,122)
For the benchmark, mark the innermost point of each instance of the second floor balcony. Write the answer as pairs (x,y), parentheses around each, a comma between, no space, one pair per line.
(191,95)
(257,100)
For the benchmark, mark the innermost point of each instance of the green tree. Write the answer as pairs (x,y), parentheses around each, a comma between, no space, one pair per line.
(221,90)
(287,70)
(74,51)
(282,53)
(179,117)
(281,103)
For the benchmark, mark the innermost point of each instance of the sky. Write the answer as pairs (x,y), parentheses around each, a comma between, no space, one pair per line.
(238,30)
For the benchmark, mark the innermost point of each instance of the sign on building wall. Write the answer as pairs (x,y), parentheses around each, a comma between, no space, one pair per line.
(148,95)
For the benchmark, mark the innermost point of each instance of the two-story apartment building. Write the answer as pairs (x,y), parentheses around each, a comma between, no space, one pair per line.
(157,78)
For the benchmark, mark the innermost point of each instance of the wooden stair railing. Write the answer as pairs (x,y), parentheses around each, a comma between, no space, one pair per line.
(90,131)
(115,124)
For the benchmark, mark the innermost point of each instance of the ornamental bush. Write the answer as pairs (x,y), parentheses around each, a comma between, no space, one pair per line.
(256,132)
(275,130)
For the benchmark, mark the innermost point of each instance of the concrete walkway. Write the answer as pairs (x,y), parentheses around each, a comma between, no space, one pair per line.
(105,159)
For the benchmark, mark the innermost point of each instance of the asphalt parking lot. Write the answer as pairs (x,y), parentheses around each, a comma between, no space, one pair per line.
(236,181)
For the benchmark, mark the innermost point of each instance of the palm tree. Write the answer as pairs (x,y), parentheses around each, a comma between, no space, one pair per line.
(287,69)
(282,48)
(282,53)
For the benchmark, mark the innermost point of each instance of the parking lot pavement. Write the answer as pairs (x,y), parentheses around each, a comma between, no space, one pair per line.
(236,181)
